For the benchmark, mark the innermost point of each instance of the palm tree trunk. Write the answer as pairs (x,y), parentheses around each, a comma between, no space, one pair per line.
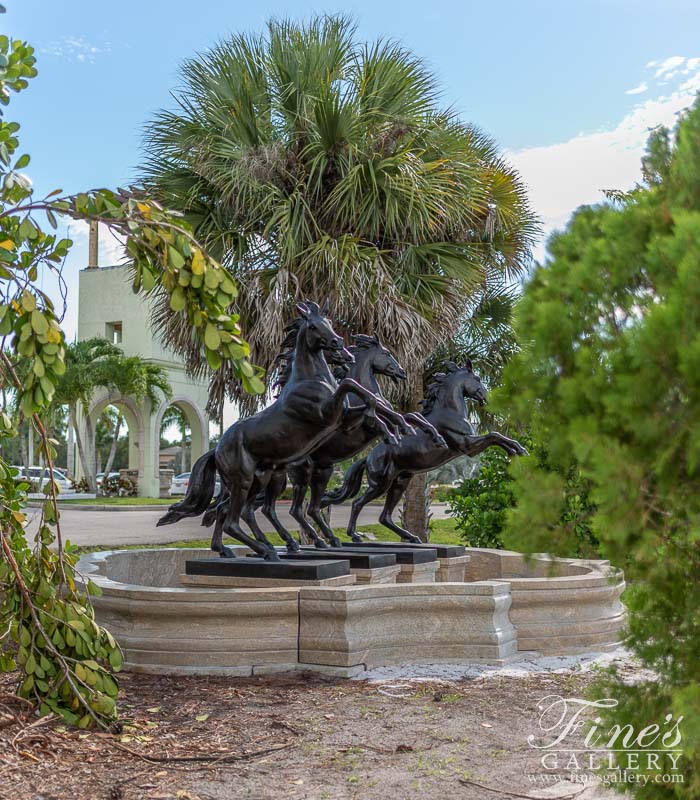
(70,450)
(113,447)
(83,452)
(24,449)
(415,510)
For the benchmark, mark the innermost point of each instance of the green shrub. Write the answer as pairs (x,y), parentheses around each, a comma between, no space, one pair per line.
(480,504)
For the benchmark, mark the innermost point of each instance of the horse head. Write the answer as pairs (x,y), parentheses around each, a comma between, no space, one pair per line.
(453,383)
(382,360)
(472,387)
(317,331)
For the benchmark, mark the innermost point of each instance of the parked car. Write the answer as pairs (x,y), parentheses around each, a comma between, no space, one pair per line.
(100,477)
(179,484)
(39,476)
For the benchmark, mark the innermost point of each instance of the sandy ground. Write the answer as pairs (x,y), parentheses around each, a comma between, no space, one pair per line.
(420,732)
(88,527)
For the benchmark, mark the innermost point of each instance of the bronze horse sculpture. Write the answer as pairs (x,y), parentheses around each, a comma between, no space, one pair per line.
(308,410)
(390,467)
(357,432)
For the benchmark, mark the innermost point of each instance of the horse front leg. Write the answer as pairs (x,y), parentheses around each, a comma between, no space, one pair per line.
(473,445)
(419,421)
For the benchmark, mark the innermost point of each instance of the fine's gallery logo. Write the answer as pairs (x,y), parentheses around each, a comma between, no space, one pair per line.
(573,739)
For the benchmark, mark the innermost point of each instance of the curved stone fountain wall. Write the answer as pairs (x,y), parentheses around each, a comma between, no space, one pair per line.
(506,604)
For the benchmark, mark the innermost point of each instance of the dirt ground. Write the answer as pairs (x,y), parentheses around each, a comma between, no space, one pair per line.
(296,736)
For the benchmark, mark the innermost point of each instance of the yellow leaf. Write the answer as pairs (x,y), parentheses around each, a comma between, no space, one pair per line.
(198,265)
(144,209)
(8,244)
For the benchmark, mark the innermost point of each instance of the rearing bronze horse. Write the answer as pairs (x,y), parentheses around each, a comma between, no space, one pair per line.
(390,467)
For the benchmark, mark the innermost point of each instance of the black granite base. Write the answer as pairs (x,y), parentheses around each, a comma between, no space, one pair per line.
(443,550)
(357,560)
(405,554)
(311,570)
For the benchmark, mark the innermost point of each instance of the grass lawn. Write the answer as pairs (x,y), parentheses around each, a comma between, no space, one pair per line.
(443,532)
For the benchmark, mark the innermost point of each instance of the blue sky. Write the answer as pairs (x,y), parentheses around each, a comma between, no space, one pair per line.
(569,89)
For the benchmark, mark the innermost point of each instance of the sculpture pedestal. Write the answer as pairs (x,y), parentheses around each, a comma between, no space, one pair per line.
(417,564)
(418,573)
(367,567)
(259,573)
(452,559)
(377,575)
(452,570)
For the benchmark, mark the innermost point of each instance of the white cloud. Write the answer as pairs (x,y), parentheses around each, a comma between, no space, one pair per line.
(640,89)
(75,48)
(563,176)
(667,67)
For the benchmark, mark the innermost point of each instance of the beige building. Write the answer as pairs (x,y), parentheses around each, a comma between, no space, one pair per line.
(108,307)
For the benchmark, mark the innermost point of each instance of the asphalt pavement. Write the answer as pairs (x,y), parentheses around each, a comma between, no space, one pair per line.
(95,527)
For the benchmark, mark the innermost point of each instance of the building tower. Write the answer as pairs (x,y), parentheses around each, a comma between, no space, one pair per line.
(108,307)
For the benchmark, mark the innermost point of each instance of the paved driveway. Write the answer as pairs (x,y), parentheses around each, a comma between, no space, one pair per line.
(92,527)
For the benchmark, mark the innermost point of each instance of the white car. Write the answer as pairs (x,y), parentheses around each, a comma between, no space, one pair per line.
(40,477)
(179,484)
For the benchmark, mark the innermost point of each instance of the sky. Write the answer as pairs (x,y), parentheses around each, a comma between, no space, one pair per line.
(568,88)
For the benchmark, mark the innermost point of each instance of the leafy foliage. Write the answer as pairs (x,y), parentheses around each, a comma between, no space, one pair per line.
(47,625)
(609,379)
(479,504)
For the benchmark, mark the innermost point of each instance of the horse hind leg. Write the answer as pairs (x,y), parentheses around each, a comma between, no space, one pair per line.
(319,482)
(297,512)
(274,489)
(231,525)
(248,516)
(374,490)
(395,493)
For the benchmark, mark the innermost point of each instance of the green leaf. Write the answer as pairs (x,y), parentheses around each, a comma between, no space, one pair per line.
(175,258)
(211,337)
(178,300)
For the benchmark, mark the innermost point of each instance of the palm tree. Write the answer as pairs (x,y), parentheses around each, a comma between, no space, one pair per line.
(177,417)
(76,389)
(313,165)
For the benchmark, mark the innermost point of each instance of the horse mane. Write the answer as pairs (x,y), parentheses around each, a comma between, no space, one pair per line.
(432,393)
(282,365)
(363,341)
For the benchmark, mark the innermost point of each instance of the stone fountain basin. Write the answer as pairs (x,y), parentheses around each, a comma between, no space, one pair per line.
(506,604)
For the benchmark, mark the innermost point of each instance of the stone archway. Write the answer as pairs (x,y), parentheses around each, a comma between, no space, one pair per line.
(199,428)
(134,421)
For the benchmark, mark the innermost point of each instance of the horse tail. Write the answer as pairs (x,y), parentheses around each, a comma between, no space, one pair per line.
(200,491)
(351,485)
(210,514)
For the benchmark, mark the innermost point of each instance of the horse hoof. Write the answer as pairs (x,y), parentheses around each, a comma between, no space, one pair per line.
(335,542)
(320,544)
(226,552)
(355,537)
(293,547)
(271,555)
